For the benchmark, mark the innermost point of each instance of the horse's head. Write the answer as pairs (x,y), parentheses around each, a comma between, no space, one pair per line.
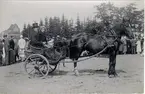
(128,32)
(123,30)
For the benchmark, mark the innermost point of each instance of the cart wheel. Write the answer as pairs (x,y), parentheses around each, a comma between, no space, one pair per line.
(52,68)
(37,65)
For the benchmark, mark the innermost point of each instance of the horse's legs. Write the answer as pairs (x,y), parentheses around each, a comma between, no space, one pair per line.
(75,67)
(112,64)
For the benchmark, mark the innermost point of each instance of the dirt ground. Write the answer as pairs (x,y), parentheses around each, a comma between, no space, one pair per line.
(93,78)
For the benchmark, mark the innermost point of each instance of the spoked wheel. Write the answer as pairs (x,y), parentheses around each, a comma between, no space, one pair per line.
(37,65)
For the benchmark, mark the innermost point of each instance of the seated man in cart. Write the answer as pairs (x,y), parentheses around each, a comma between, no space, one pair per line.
(38,39)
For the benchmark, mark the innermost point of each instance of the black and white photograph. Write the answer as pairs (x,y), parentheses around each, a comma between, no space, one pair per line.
(71,47)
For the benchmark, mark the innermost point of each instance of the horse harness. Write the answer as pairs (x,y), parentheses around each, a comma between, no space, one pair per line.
(104,37)
(113,34)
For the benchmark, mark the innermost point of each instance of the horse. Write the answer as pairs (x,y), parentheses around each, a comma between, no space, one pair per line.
(108,41)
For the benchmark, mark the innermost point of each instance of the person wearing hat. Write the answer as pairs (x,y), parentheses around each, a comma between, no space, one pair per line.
(142,43)
(35,29)
(39,36)
(21,44)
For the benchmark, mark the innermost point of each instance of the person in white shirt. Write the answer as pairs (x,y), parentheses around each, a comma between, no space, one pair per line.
(51,42)
(124,45)
(21,44)
(138,46)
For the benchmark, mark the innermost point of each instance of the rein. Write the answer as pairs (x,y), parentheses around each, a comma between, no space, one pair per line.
(67,48)
(95,55)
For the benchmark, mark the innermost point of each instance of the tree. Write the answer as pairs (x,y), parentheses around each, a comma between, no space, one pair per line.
(79,26)
(110,15)
(24,27)
(46,22)
(54,27)
(66,29)
(71,28)
(133,17)
(57,27)
(90,26)
(105,12)
(51,25)
(41,22)
(62,25)
(26,31)
(30,31)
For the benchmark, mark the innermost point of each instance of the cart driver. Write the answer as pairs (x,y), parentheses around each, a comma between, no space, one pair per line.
(38,38)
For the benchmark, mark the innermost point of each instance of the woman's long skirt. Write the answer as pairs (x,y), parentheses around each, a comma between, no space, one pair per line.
(1,59)
(11,56)
(22,53)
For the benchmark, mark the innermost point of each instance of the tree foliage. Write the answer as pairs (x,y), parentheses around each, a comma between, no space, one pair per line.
(106,16)
(110,14)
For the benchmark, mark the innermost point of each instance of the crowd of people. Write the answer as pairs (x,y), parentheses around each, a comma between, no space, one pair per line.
(11,50)
(133,46)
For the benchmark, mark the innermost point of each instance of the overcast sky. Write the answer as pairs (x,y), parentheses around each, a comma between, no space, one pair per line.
(21,12)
